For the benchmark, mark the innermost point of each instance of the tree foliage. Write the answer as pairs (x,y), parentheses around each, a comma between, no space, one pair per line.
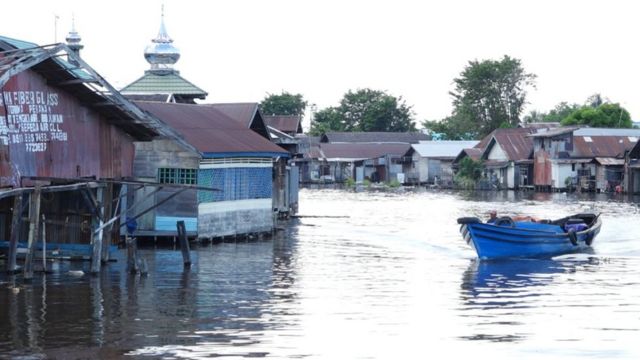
(454,127)
(560,112)
(365,110)
(488,94)
(469,172)
(604,115)
(491,93)
(283,104)
(327,120)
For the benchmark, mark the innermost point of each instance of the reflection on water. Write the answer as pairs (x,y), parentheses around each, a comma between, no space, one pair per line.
(386,276)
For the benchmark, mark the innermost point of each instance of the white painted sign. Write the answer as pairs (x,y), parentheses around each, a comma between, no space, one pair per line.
(31,118)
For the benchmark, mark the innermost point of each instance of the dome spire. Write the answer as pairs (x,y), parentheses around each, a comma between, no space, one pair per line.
(73,38)
(161,53)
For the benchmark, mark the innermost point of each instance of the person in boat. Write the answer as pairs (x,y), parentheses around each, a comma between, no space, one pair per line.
(493,217)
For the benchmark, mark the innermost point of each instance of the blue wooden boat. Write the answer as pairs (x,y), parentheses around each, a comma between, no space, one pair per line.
(506,238)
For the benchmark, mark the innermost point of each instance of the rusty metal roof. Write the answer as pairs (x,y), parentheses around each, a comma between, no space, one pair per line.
(210,131)
(515,142)
(242,112)
(291,124)
(602,146)
(247,114)
(473,153)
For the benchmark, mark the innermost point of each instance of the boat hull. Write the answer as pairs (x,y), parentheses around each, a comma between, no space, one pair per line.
(526,239)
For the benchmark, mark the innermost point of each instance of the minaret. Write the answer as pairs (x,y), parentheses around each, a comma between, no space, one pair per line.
(73,40)
(161,53)
(162,82)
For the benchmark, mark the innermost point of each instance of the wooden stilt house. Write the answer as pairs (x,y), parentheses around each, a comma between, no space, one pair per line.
(66,139)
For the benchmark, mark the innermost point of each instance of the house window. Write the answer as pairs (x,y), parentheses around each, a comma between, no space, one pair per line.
(178,176)
(584,172)
(325,170)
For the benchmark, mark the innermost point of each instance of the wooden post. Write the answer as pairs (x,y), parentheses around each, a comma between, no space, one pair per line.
(96,237)
(132,255)
(184,243)
(34,223)
(12,267)
(107,231)
(44,243)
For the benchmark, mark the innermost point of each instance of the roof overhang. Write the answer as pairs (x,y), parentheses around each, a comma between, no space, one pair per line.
(208,155)
(496,164)
(608,161)
(78,78)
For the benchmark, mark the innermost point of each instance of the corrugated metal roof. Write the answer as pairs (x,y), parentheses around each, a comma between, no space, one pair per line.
(473,153)
(362,150)
(17,44)
(609,161)
(442,149)
(515,142)
(248,114)
(209,130)
(555,132)
(602,146)
(606,132)
(374,137)
(80,80)
(170,83)
(240,112)
(285,123)
(542,125)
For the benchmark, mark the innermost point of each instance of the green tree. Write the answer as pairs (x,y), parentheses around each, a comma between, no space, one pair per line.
(596,100)
(454,127)
(365,110)
(469,172)
(534,116)
(490,94)
(374,110)
(326,120)
(560,112)
(605,115)
(283,104)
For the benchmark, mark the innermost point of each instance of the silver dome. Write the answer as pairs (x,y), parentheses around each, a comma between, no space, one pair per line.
(161,53)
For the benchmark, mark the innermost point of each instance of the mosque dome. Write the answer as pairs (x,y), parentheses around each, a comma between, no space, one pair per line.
(73,38)
(161,53)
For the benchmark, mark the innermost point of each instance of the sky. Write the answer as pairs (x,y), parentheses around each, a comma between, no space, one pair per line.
(244,50)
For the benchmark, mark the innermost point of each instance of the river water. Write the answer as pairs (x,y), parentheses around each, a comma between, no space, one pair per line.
(366,275)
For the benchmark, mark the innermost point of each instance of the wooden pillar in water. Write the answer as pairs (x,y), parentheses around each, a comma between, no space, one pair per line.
(107,214)
(43,237)
(132,255)
(184,243)
(34,224)
(12,267)
(96,238)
